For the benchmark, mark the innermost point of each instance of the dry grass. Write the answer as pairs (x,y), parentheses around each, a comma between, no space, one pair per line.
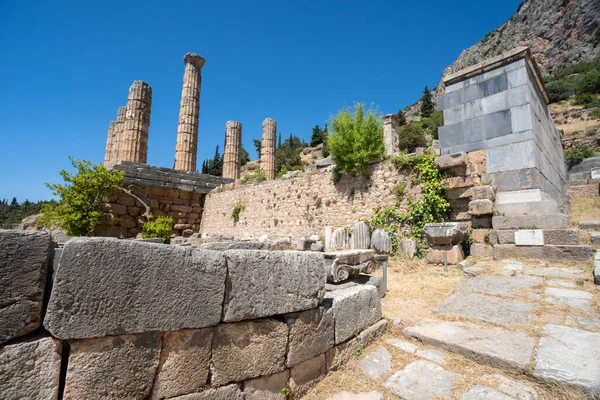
(583,209)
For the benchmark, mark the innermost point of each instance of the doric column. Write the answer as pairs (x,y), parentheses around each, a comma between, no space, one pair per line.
(110,144)
(133,145)
(186,149)
(391,126)
(232,155)
(119,128)
(267,148)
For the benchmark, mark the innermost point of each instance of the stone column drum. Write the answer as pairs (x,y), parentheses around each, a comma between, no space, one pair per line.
(186,150)
(134,143)
(267,149)
(391,126)
(110,143)
(118,137)
(232,155)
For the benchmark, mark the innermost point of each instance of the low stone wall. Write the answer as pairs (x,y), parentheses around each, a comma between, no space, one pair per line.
(135,320)
(303,205)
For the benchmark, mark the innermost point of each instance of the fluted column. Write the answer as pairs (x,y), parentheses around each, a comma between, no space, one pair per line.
(186,149)
(391,127)
(134,143)
(118,137)
(232,154)
(267,148)
(110,144)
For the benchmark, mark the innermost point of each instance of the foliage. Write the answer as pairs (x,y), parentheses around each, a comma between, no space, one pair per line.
(411,136)
(257,146)
(559,90)
(214,166)
(401,117)
(579,153)
(427,106)
(256,177)
(237,209)
(356,139)
(288,153)
(159,228)
(589,83)
(244,156)
(595,113)
(82,200)
(317,136)
(574,80)
(432,123)
(587,100)
(282,172)
(400,190)
(13,213)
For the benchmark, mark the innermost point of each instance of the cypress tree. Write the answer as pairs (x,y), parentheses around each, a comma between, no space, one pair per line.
(426,103)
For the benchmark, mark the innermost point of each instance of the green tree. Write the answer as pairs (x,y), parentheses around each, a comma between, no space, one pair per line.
(356,139)
(411,136)
(325,150)
(318,136)
(401,117)
(257,146)
(82,199)
(288,153)
(279,142)
(244,156)
(426,103)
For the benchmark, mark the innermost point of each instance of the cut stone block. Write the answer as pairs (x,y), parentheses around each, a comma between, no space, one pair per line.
(445,232)
(102,367)
(487,308)
(516,389)
(595,238)
(30,369)
(555,272)
(548,253)
(340,354)
(525,202)
(381,241)
(356,396)
(354,309)
(310,333)
(550,221)
(432,355)
(482,250)
(451,161)
(305,376)
(561,236)
(569,357)
(499,285)
(361,237)
(572,298)
(496,346)
(479,392)
(529,237)
(483,192)
(248,349)
(480,235)
(376,281)
(454,254)
(266,387)
(25,257)
(408,247)
(481,207)
(583,191)
(184,363)
(109,286)
(590,225)
(376,364)
(262,283)
(229,392)
(422,380)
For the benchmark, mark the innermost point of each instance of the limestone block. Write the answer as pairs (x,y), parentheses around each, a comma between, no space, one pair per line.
(548,221)
(454,254)
(590,225)
(561,236)
(597,272)
(481,207)
(104,367)
(483,193)
(341,353)
(480,235)
(381,241)
(305,376)
(511,387)
(184,363)
(339,240)
(266,387)
(529,237)
(249,349)
(30,369)
(234,245)
(445,232)
(479,392)
(457,182)
(482,250)
(229,392)
(358,396)
(460,193)
(24,260)
(361,237)
(595,238)
(548,252)
(354,309)
(408,247)
(451,160)
(421,380)
(310,333)
(122,286)
(376,364)
(262,283)
(317,246)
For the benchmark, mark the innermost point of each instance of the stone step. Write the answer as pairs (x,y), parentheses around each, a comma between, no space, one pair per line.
(590,225)
(487,345)
(548,221)
(547,253)
(548,236)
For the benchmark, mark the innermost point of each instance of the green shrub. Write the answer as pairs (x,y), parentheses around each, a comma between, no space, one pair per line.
(411,136)
(159,228)
(559,90)
(579,153)
(237,209)
(595,113)
(282,172)
(256,177)
(589,82)
(81,207)
(400,189)
(356,139)
(584,99)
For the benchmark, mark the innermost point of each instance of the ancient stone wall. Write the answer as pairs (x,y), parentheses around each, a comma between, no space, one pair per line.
(153,321)
(302,205)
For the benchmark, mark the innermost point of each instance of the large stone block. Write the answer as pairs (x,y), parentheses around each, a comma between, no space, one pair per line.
(590,225)
(267,387)
(454,254)
(229,392)
(310,333)
(550,221)
(483,192)
(305,376)
(30,369)
(261,283)
(184,363)
(549,252)
(481,207)
(109,287)
(354,309)
(561,236)
(482,250)
(24,259)
(445,232)
(112,367)
(451,161)
(250,349)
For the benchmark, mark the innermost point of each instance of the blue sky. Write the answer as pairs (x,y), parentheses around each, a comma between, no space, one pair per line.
(67,65)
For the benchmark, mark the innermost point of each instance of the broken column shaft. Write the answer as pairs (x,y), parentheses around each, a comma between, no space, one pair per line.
(133,145)
(186,149)
(232,155)
(110,144)
(115,131)
(391,126)
(267,148)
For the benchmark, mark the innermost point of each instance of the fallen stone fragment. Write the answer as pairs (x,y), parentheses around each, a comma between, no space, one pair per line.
(516,389)
(381,241)
(422,380)
(445,232)
(361,237)
(473,271)
(483,393)
(569,357)
(356,396)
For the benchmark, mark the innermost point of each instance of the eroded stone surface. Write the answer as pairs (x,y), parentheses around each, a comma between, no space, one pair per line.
(112,367)
(556,272)
(263,283)
(30,369)
(376,364)
(432,355)
(569,356)
(306,375)
(561,283)
(403,345)
(499,285)
(516,389)
(266,387)
(109,286)
(572,298)
(229,392)
(487,308)
(310,333)
(588,321)
(483,393)
(445,232)
(422,380)
(489,344)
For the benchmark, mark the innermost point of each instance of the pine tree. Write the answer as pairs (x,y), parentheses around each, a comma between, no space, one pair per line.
(14,202)
(257,146)
(426,103)
(316,137)
(279,143)
(401,117)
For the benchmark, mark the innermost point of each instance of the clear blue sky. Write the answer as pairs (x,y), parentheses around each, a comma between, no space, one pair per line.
(65,67)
